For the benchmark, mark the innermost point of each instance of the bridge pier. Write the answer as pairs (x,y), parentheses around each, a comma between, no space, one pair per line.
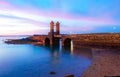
(53,38)
(54,41)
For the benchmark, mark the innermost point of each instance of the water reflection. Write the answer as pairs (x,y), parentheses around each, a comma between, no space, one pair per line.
(39,61)
(60,46)
(55,54)
(83,51)
(71,48)
(68,45)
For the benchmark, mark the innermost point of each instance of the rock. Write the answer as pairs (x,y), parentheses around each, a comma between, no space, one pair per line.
(71,75)
(52,72)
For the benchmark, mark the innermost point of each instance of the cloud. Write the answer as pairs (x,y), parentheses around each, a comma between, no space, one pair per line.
(36,19)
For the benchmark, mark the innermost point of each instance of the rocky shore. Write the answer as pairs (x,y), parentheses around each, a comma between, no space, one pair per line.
(106,63)
(23,41)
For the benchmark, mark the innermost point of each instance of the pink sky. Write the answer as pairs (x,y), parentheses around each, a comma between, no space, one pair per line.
(30,20)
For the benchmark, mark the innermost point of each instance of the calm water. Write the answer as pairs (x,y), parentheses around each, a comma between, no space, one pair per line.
(38,61)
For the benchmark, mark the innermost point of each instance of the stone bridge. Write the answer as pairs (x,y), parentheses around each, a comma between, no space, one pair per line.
(98,39)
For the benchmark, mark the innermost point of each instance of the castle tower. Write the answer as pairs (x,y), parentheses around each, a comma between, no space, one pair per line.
(54,41)
(52,27)
(57,28)
(51,33)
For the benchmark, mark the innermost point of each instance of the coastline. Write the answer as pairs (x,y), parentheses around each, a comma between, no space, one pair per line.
(27,40)
(105,63)
(105,60)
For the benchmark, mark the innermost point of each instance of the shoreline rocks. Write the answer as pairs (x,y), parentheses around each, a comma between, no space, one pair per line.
(23,41)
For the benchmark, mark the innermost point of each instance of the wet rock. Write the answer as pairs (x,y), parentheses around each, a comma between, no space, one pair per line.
(52,72)
(71,75)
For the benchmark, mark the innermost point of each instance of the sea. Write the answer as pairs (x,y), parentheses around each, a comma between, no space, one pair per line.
(27,60)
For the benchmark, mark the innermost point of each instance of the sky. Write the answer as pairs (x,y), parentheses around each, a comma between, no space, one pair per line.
(28,17)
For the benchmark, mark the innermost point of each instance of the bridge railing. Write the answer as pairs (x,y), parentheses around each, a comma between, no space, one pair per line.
(58,36)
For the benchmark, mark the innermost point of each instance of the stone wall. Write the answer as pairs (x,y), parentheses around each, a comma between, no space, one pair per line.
(97,40)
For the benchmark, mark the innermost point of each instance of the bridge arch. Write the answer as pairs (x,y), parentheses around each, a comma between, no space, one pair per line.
(67,42)
(47,41)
